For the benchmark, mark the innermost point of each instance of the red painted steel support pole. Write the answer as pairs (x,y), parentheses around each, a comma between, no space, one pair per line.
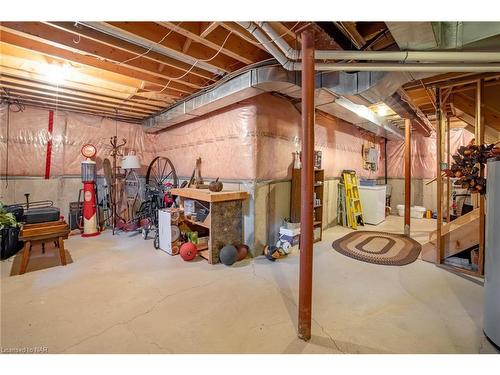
(407,176)
(48,158)
(306,186)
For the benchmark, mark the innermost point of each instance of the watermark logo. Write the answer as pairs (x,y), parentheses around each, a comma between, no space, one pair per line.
(24,350)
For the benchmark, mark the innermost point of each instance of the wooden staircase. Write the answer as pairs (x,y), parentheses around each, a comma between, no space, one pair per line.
(461,234)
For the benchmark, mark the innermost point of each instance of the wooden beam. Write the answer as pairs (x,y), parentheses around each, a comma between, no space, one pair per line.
(289,35)
(480,112)
(58,97)
(55,52)
(243,34)
(60,106)
(407,176)
(108,58)
(439,179)
(448,161)
(350,31)
(207,28)
(467,105)
(177,67)
(152,32)
(186,45)
(35,82)
(234,46)
(28,62)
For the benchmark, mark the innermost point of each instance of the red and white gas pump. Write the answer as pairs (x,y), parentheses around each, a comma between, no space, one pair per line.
(90,227)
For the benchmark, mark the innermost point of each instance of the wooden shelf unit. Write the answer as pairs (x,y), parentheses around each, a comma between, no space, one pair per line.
(224,222)
(319,182)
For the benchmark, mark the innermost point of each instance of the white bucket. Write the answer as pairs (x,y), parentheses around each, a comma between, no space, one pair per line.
(401,209)
(417,212)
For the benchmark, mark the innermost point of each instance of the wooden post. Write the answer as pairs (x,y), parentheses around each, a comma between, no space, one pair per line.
(448,160)
(407,176)
(307,179)
(479,141)
(439,178)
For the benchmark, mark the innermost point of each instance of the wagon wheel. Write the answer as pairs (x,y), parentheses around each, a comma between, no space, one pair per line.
(160,172)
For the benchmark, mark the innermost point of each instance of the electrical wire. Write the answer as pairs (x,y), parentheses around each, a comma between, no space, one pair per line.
(153,46)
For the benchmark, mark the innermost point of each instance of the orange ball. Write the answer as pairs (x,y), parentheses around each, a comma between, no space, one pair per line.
(188,251)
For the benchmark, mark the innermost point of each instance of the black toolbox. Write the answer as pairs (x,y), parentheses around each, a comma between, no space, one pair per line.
(41,215)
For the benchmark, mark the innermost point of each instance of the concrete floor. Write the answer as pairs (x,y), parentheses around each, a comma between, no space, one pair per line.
(122,296)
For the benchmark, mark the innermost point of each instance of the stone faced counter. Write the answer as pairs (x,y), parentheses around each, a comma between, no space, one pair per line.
(225,220)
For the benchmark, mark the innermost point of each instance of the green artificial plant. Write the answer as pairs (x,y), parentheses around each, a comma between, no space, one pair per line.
(7,219)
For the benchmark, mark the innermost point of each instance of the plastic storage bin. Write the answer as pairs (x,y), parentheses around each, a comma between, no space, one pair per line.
(417,212)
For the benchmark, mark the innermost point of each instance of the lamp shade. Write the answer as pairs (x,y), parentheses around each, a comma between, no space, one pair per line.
(131,162)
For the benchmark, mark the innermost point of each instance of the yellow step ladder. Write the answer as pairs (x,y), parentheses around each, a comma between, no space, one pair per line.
(353,203)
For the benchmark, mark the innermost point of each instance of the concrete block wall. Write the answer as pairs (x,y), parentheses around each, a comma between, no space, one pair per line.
(272,206)
(63,190)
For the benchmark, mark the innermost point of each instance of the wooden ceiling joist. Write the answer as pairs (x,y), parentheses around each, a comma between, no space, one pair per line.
(207,27)
(129,120)
(62,106)
(177,67)
(242,33)
(137,68)
(71,96)
(153,32)
(13,77)
(234,47)
(113,57)
(40,47)
(68,100)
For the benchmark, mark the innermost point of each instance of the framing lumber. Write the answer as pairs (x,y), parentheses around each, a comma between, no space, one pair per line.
(38,85)
(439,179)
(407,176)
(150,32)
(234,47)
(479,115)
(242,33)
(36,44)
(104,54)
(179,67)
(57,102)
(207,28)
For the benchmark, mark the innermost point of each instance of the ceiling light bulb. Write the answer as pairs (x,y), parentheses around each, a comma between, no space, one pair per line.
(56,73)
(382,111)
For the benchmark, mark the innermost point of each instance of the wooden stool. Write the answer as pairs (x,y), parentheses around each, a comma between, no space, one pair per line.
(33,234)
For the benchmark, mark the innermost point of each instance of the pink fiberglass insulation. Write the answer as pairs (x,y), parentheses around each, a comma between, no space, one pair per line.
(28,137)
(423,154)
(224,140)
(278,133)
(253,139)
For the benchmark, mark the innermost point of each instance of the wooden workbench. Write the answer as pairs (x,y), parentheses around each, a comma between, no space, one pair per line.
(225,220)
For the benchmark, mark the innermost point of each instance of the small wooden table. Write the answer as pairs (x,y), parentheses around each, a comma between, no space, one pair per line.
(33,234)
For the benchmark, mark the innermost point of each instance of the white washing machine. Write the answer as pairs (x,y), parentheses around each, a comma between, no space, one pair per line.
(373,203)
(492,253)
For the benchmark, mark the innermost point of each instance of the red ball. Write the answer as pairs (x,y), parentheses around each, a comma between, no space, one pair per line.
(188,251)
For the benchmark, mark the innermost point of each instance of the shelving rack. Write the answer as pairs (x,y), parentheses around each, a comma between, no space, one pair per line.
(319,181)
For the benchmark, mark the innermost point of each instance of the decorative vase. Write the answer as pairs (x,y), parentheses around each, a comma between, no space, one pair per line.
(296,160)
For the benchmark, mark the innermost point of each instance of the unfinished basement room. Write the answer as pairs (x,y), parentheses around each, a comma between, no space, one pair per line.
(249,187)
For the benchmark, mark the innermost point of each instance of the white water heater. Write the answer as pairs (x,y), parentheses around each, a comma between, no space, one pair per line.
(492,253)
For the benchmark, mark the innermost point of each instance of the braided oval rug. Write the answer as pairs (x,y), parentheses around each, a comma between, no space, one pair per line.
(389,249)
